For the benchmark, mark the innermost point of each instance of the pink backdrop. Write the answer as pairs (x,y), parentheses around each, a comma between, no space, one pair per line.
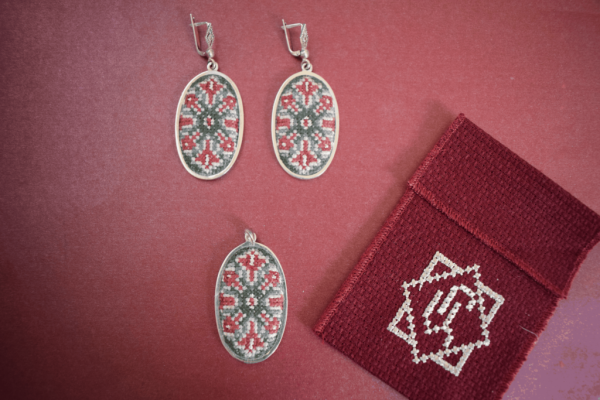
(109,249)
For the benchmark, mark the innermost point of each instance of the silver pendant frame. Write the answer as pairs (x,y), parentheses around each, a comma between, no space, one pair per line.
(250,243)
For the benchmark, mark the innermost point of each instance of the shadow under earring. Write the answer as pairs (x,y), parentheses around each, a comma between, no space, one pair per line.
(209,125)
(305,120)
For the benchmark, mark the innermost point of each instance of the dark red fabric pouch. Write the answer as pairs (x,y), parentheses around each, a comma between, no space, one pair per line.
(447,301)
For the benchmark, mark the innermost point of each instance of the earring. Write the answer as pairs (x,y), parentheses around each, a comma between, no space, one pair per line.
(305,120)
(251,301)
(210,117)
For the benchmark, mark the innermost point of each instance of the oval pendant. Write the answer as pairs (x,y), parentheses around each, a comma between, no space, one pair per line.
(305,125)
(251,301)
(209,125)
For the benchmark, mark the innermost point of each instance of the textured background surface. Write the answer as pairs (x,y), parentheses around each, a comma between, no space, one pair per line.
(109,249)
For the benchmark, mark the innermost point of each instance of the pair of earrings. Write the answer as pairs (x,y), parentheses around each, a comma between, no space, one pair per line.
(209,124)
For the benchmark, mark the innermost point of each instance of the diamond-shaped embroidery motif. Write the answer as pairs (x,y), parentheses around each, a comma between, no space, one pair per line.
(474,292)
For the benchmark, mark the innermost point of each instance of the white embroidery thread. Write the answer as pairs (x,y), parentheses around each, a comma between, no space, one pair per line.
(476,298)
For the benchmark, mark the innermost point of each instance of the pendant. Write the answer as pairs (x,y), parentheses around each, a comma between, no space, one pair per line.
(251,301)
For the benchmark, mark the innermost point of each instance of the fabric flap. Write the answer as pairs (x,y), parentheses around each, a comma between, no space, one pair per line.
(508,204)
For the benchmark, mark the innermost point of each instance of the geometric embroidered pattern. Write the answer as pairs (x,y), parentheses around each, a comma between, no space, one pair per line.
(251,306)
(209,125)
(480,296)
(459,325)
(305,125)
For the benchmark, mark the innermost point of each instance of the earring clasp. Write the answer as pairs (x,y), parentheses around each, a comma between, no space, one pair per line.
(210,40)
(303,53)
(303,39)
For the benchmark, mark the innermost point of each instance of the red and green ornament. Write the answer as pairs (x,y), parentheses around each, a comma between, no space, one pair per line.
(305,125)
(251,301)
(209,125)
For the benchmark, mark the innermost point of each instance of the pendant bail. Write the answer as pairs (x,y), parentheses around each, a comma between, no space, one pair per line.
(250,236)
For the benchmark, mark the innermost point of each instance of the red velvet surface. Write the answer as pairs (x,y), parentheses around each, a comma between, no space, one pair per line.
(109,249)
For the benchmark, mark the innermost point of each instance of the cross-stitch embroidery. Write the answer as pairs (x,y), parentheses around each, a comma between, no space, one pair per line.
(209,125)
(475,292)
(305,125)
(251,303)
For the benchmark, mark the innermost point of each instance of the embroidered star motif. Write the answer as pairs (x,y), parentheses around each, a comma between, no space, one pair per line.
(288,102)
(326,103)
(230,325)
(226,143)
(271,324)
(466,281)
(305,158)
(189,142)
(287,143)
(324,142)
(207,159)
(211,87)
(229,102)
(307,88)
(252,261)
(306,123)
(191,101)
(251,342)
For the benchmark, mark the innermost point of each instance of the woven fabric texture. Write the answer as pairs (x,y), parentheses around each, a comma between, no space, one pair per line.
(447,301)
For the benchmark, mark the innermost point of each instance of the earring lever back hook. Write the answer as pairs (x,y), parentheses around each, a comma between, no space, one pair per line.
(303,39)
(210,40)
(210,37)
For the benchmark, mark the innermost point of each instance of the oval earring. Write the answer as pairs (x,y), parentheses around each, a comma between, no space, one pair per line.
(209,125)
(305,120)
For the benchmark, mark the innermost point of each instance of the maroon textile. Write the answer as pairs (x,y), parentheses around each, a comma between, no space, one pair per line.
(448,299)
